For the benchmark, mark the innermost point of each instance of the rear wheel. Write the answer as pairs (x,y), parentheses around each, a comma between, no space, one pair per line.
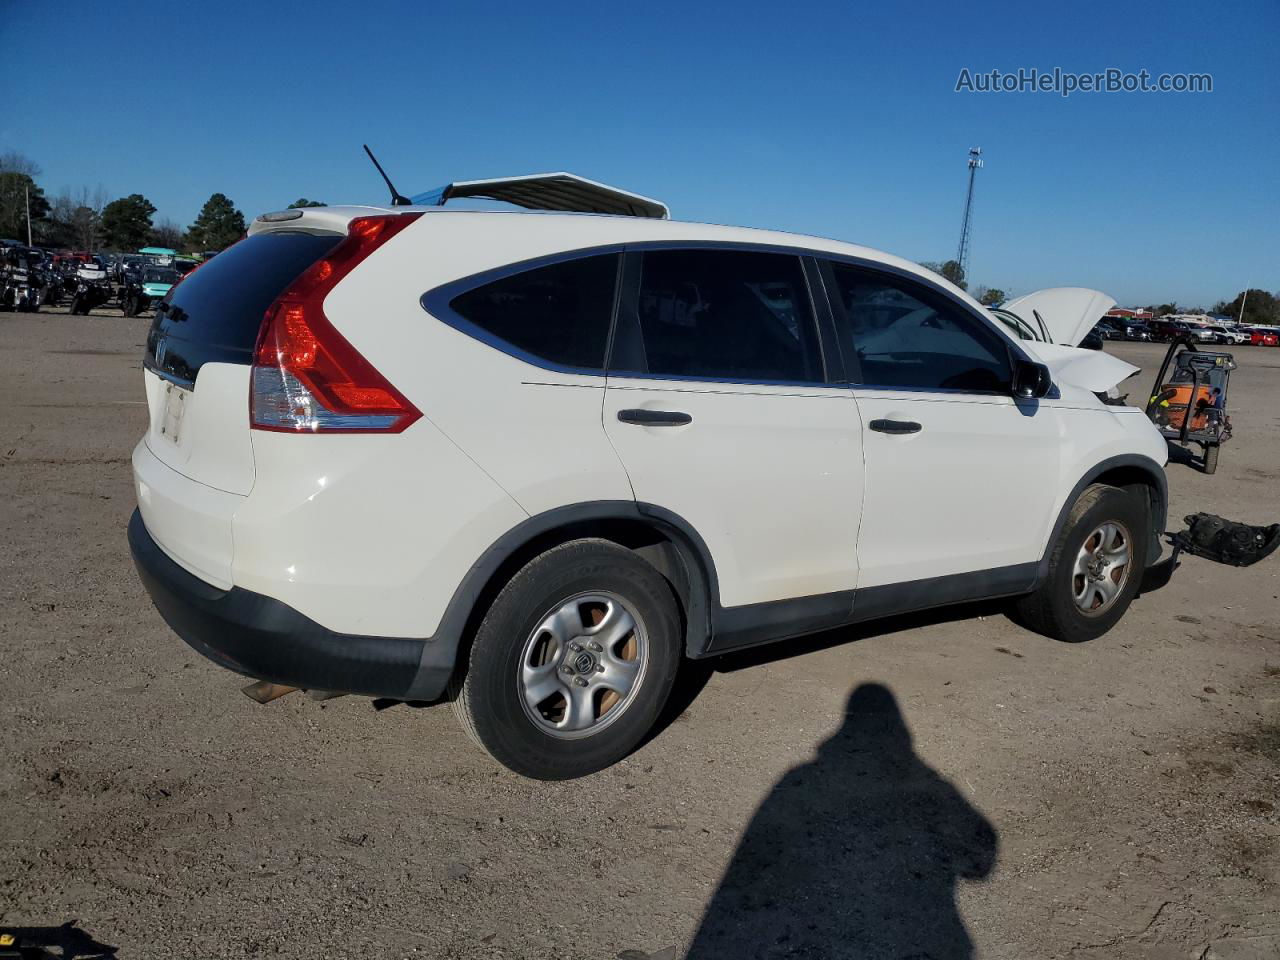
(573,662)
(1095,568)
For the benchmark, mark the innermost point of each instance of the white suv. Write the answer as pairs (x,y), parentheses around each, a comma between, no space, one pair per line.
(530,462)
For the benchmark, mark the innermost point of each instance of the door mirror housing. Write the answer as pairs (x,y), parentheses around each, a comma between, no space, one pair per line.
(1031,381)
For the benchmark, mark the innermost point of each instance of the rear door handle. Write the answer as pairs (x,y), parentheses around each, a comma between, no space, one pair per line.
(895,426)
(655,418)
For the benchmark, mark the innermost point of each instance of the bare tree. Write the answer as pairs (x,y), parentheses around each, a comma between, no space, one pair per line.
(11,161)
(76,218)
(167,233)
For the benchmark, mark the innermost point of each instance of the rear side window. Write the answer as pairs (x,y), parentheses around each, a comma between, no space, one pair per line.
(907,337)
(215,314)
(727,315)
(558,313)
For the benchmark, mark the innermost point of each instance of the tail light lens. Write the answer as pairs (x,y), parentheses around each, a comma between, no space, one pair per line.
(307,377)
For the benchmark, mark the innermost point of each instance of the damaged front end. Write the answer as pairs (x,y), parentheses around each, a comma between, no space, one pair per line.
(1093,370)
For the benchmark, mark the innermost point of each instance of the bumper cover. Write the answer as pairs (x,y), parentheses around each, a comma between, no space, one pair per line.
(263,638)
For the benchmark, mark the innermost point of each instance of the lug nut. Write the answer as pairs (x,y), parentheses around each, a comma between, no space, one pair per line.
(594,647)
(566,669)
(575,646)
(599,668)
(580,681)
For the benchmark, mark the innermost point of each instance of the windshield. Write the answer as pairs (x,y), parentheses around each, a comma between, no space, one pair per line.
(160,276)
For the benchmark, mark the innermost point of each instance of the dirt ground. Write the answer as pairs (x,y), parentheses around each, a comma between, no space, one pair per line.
(939,786)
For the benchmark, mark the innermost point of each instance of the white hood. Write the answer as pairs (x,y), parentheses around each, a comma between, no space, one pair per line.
(1069,313)
(1094,370)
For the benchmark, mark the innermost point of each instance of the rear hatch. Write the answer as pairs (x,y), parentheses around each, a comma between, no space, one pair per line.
(200,349)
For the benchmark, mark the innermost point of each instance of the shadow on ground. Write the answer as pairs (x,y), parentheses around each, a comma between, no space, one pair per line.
(67,942)
(855,855)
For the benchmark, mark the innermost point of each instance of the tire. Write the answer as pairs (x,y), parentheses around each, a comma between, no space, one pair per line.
(75,306)
(1211,459)
(1052,609)
(526,643)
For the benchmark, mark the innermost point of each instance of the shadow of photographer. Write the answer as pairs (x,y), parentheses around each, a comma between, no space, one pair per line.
(854,855)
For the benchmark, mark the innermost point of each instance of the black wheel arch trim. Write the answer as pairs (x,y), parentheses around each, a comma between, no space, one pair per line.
(1158,505)
(710,628)
(697,568)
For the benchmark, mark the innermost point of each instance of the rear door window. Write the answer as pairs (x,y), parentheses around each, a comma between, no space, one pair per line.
(726,315)
(908,337)
(215,314)
(559,313)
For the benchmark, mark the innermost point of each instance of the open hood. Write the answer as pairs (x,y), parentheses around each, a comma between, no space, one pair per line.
(550,191)
(1066,314)
(1094,370)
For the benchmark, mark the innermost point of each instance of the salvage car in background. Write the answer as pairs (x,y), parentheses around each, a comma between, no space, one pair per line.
(1166,331)
(1263,336)
(1122,328)
(1225,335)
(376,460)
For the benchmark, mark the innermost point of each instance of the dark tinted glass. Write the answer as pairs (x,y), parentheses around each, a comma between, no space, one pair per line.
(214,315)
(906,336)
(727,314)
(560,313)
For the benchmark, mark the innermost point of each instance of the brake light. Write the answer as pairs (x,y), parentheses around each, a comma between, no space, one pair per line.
(307,377)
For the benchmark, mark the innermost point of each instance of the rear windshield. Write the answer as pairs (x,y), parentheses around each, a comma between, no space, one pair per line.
(213,316)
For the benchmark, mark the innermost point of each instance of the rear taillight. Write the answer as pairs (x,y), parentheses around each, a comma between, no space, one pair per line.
(307,378)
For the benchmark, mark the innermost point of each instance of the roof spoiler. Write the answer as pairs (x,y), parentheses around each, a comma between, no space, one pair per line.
(550,191)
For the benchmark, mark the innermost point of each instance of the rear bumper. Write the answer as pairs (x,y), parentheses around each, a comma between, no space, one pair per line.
(263,638)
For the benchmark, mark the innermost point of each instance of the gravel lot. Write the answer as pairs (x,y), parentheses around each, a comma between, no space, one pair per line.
(939,786)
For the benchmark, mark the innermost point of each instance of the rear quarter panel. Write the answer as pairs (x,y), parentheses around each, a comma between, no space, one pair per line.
(537,433)
(366,534)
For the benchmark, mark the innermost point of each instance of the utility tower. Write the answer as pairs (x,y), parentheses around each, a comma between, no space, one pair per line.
(962,255)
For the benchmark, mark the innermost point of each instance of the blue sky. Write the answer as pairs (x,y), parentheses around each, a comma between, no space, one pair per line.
(836,118)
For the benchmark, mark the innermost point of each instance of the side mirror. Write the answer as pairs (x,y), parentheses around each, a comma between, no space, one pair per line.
(1031,381)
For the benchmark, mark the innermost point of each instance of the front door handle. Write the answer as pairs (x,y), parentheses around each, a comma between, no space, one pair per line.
(895,426)
(655,418)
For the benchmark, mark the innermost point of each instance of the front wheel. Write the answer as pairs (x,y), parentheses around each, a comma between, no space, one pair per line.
(573,663)
(1095,568)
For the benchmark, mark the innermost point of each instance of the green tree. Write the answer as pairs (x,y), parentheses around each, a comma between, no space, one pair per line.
(304,202)
(15,191)
(991,296)
(955,273)
(1260,307)
(126,223)
(219,225)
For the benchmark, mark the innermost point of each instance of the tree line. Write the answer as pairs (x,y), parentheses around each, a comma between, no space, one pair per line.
(88,220)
